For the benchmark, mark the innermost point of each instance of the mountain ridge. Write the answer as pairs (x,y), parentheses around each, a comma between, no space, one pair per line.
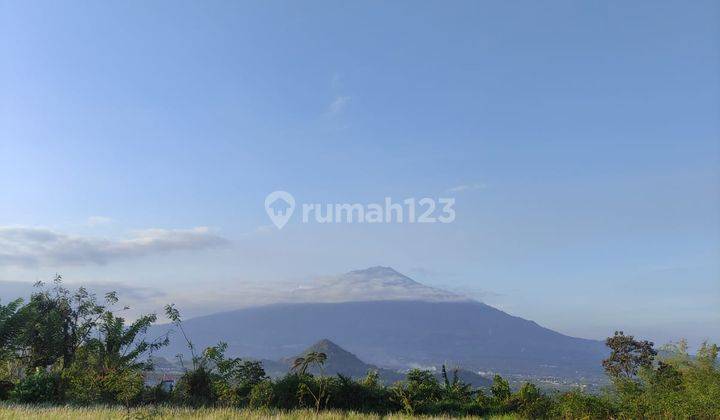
(401,333)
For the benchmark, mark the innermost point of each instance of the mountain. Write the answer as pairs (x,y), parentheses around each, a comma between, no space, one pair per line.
(341,361)
(338,360)
(371,284)
(400,333)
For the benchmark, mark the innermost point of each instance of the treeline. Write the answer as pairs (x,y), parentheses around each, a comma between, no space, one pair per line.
(70,347)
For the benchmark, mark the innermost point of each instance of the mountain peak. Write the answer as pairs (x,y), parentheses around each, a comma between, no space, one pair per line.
(338,360)
(326,346)
(381,283)
(377,270)
(386,276)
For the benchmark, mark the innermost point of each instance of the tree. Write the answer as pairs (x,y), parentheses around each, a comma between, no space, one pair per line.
(627,356)
(455,389)
(419,390)
(118,347)
(107,367)
(173,313)
(301,364)
(58,322)
(10,325)
(500,389)
(195,386)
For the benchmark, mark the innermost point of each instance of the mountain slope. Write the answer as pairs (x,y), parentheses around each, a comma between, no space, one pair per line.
(402,334)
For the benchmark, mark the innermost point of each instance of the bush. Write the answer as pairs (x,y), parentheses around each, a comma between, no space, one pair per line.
(6,388)
(155,395)
(578,404)
(195,388)
(262,395)
(286,391)
(39,387)
(367,395)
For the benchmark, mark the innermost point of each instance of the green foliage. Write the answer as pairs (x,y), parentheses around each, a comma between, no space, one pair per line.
(11,323)
(64,347)
(418,392)
(627,356)
(500,389)
(195,388)
(678,385)
(529,402)
(37,387)
(577,404)
(155,395)
(262,395)
(366,395)
(57,323)
(214,378)
(301,364)
(286,391)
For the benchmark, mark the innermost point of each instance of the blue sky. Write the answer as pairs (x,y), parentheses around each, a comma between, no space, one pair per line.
(144,138)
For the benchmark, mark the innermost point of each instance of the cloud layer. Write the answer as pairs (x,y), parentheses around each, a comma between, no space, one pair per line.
(27,246)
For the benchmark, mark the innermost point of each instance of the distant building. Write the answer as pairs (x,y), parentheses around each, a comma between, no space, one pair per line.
(165,381)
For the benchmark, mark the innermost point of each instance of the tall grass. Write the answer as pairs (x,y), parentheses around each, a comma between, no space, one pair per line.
(23,412)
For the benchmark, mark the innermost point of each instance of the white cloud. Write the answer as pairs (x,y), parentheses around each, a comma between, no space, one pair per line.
(338,105)
(26,246)
(466,187)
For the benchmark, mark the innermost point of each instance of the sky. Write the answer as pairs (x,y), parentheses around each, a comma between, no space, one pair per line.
(580,141)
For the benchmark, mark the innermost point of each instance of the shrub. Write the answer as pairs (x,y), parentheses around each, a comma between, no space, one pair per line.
(286,391)
(6,388)
(367,395)
(578,404)
(39,387)
(262,395)
(155,395)
(195,388)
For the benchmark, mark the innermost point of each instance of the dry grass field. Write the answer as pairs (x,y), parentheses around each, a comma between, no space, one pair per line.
(27,412)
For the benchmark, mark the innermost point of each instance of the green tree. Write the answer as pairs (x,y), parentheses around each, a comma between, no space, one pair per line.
(316,389)
(302,363)
(57,323)
(627,356)
(418,392)
(108,367)
(10,325)
(455,389)
(500,389)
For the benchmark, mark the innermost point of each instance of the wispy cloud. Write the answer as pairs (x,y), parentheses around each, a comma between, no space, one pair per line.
(28,246)
(338,105)
(466,187)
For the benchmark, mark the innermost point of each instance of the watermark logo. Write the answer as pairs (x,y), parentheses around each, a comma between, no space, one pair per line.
(280,206)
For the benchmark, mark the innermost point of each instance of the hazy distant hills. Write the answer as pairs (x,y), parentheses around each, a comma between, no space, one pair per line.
(339,361)
(418,326)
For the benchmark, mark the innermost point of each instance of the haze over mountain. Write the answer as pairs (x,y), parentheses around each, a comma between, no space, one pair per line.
(397,323)
(372,284)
